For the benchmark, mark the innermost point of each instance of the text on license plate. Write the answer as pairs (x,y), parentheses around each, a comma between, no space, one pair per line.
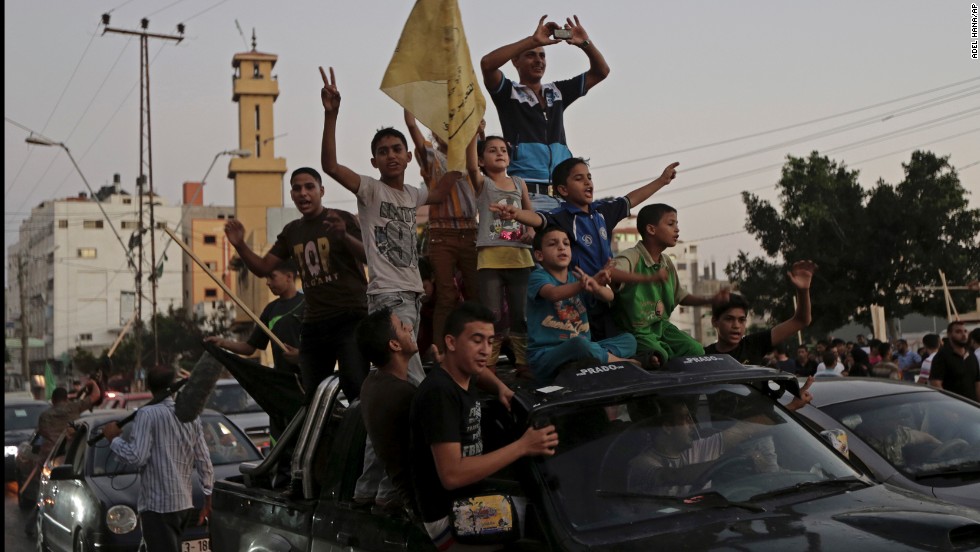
(199,545)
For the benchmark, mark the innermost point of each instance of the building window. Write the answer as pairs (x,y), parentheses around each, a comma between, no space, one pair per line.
(87,253)
(161,225)
(92,224)
(681,266)
(210,293)
(255,71)
(63,223)
(258,123)
(212,266)
(210,239)
(85,337)
(694,249)
(258,146)
(129,225)
(127,201)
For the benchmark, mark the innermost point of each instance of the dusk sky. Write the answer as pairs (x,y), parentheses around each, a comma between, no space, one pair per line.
(874,80)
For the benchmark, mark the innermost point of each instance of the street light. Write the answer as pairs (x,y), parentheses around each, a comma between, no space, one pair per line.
(235,153)
(38,140)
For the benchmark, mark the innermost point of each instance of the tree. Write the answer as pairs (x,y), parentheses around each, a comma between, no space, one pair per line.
(84,362)
(872,247)
(181,340)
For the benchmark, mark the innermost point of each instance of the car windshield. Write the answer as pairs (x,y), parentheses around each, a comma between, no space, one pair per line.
(660,455)
(227,444)
(24,416)
(232,399)
(920,434)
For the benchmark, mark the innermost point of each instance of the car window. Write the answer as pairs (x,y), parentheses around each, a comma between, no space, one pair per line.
(917,433)
(232,399)
(226,443)
(19,417)
(625,462)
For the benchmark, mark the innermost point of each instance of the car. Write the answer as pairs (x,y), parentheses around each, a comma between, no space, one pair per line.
(19,423)
(119,399)
(913,436)
(231,400)
(88,496)
(776,484)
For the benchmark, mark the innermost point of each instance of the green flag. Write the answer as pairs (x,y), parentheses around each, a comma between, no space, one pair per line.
(49,381)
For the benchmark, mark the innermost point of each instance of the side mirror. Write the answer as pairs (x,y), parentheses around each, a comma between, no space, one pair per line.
(837,439)
(488,519)
(64,472)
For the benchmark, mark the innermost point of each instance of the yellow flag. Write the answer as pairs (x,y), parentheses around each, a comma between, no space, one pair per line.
(431,75)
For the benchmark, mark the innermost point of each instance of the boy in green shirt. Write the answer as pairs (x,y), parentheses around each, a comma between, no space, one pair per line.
(649,290)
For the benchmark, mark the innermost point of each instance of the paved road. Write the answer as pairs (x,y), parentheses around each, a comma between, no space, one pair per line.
(14,539)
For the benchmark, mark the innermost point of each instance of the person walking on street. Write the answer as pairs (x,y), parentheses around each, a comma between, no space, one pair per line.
(168,453)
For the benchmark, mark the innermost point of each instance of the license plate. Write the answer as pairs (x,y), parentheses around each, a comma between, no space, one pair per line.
(199,545)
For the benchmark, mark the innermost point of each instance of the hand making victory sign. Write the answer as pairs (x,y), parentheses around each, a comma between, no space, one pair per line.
(329,94)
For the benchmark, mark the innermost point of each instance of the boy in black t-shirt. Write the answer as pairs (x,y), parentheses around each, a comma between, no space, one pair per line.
(327,248)
(447,445)
(729,320)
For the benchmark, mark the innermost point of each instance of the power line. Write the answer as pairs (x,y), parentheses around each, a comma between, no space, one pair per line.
(867,141)
(787,127)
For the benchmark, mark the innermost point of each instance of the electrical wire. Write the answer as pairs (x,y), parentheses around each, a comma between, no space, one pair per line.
(787,127)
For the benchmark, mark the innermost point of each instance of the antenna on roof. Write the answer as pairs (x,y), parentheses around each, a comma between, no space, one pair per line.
(242,34)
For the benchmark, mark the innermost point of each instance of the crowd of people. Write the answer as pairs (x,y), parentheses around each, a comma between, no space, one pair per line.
(950,362)
(517,244)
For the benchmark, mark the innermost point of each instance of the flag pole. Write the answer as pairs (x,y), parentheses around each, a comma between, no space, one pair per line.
(224,288)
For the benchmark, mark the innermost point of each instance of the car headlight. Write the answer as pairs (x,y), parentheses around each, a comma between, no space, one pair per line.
(9,451)
(121,519)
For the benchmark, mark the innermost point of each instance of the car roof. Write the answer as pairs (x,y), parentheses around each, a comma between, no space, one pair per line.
(626,379)
(828,391)
(21,401)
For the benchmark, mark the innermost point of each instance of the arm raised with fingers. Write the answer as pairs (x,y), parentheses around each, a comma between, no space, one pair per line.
(330,97)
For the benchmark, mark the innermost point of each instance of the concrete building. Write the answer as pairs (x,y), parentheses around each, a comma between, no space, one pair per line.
(80,286)
(203,229)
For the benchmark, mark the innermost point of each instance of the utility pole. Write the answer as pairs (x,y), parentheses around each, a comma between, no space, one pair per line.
(24,325)
(146,167)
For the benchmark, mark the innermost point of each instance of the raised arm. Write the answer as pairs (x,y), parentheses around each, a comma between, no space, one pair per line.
(440,192)
(523,216)
(473,163)
(598,68)
(330,97)
(492,62)
(260,266)
(719,298)
(590,285)
(419,141)
(553,293)
(800,275)
(644,192)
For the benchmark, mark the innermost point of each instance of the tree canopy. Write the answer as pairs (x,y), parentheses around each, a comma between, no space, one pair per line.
(871,247)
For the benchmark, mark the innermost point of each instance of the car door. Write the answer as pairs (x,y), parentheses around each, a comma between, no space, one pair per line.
(338,520)
(56,507)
